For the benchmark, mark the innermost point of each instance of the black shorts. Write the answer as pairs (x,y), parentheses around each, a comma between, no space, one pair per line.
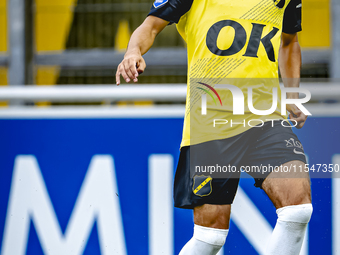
(209,173)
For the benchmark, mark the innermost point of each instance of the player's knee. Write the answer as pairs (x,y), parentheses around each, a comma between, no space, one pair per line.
(212,236)
(295,213)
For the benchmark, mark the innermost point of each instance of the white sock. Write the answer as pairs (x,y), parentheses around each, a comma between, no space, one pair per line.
(289,230)
(206,241)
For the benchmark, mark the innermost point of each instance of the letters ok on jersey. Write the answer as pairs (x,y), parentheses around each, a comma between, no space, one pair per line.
(243,35)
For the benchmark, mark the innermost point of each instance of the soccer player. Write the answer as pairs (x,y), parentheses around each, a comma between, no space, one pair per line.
(240,43)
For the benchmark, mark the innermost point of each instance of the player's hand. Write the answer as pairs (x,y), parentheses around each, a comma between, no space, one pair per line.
(296,114)
(132,65)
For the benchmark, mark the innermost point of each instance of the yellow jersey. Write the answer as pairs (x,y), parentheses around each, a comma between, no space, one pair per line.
(232,49)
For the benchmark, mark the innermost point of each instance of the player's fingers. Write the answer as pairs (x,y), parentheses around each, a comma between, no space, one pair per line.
(117,77)
(300,125)
(298,121)
(299,118)
(295,111)
(141,66)
(133,70)
(123,73)
(138,68)
(293,121)
(120,72)
(303,120)
(128,72)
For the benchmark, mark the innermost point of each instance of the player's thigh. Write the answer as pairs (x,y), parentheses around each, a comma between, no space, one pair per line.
(286,188)
(212,216)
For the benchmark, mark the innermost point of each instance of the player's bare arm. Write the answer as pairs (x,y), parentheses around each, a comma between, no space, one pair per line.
(140,42)
(290,65)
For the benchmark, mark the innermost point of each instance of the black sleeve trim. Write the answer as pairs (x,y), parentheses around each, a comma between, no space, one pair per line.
(292,17)
(172,10)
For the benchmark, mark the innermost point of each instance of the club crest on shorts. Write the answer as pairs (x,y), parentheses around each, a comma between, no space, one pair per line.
(202,185)
(159,3)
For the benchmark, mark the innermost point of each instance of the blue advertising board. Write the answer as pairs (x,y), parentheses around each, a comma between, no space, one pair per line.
(103,186)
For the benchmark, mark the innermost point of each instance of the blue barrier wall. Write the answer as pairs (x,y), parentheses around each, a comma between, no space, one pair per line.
(64,150)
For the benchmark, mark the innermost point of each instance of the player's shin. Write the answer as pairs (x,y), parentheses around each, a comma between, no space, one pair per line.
(289,230)
(206,241)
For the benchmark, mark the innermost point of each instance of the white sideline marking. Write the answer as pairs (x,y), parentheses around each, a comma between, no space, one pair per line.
(161,230)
